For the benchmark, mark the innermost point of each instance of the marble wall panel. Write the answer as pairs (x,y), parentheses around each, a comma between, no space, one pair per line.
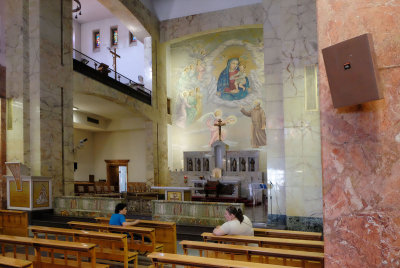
(360,155)
(274,115)
(175,28)
(14,56)
(275,111)
(298,29)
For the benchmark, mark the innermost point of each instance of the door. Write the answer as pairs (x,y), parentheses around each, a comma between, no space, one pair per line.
(113,179)
(117,174)
(123,178)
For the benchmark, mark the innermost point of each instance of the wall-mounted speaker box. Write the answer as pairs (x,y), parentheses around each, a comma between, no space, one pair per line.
(352,72)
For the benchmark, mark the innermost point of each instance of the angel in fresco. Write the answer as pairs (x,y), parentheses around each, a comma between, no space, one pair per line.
(226,88)
(199,103)
(212,119)
(182,106)
(200,69)
(191,110)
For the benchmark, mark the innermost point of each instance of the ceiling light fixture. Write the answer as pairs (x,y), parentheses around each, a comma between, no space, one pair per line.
(77,9)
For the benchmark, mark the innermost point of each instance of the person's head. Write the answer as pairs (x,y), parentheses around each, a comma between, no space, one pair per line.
(232,213)
(218,113)
(120,209)
(257,103)
(233,64)
(242,67)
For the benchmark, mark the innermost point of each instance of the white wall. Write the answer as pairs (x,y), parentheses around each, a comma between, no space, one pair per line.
(121,145)
(76,35)
(116,145)
(131,63)
(170,9)
(84,155)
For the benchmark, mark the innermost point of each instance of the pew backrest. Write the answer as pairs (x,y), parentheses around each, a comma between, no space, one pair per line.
(296,244)
(165,231)
(288,234)
(7,262)
(249,251)
(142,245)
(39,245)
(194,261)
(108,244)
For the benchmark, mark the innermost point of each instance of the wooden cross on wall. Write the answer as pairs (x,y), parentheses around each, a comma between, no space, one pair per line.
(219,125)
(115,55)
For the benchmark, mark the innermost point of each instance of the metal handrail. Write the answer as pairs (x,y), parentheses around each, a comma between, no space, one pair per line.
(94,64)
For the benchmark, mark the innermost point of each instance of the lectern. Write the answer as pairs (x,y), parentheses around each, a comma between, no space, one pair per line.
(26,192)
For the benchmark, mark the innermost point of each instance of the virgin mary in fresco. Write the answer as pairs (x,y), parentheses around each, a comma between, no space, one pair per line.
(229,86)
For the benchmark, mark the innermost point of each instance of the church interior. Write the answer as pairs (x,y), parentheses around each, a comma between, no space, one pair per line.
(286,109)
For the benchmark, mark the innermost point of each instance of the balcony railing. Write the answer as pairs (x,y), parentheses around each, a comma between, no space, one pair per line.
(102,73)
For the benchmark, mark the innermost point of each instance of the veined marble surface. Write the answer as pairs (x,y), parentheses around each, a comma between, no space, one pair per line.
(361,151)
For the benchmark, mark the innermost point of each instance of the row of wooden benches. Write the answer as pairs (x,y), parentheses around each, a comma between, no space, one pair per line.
(272,238)
(162,231)
(66,247)
(270,252)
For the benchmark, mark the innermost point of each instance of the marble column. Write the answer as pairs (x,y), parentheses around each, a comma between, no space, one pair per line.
(3,121)
(301,118)
(274,111)
(361,144)
(293,163)
(38,52)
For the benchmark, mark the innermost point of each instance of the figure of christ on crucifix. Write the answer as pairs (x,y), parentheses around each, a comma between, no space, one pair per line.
(219,124)
(115,55)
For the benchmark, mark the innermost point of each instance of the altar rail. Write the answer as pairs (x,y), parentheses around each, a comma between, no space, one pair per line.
(191,213)
(82,206)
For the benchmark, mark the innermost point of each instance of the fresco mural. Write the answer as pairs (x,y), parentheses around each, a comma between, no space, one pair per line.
(217,76)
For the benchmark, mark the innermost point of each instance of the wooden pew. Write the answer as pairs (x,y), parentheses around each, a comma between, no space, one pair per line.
(7,262)
(108,244)
(257,254)
(271,242)
(14,222)
(141,245)
(71,257)
(287,234)
(194,261)
(165,231)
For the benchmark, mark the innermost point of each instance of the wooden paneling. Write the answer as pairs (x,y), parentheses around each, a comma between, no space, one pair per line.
(14,222)
(19,198)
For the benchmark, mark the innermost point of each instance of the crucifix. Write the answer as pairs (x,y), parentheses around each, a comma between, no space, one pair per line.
(115,55)
(219,125)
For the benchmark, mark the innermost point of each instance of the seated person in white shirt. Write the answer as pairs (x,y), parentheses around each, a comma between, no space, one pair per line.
(236,223)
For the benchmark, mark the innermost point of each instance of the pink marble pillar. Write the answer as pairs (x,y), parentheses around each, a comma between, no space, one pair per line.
(361,144)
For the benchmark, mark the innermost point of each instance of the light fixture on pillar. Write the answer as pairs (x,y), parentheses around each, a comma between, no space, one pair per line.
(77,9)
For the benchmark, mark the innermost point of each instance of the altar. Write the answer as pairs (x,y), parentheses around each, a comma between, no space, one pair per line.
(237,176)
(175,193)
